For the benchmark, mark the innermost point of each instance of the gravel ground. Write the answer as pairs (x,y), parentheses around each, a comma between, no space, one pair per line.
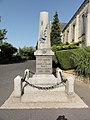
(7,75)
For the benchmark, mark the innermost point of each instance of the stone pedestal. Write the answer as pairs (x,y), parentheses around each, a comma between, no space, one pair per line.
(44,61)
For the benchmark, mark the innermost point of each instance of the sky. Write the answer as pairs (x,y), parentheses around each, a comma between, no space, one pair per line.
(21,18)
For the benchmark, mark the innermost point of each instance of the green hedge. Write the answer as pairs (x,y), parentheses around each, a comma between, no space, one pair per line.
(64,58)
(82,62)
(64,47)
(67,46)
(78,59)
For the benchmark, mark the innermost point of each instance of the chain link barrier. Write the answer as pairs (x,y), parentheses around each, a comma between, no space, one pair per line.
(42,87)
(47,87)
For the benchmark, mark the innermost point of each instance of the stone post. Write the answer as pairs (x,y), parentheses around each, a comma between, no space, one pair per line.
(59,73)
(70,86)
(18,86)
(27,74)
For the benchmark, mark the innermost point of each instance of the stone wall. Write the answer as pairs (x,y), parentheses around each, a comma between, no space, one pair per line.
(78,27)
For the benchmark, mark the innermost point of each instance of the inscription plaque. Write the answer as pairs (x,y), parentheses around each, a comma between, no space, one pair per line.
(44,65)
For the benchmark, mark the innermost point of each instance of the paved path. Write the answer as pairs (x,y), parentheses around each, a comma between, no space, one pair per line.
(7,75)
(9,72)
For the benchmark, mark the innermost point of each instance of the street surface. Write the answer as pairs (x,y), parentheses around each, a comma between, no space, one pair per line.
(7,75)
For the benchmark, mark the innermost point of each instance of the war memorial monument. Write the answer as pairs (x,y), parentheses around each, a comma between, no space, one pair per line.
(43,89)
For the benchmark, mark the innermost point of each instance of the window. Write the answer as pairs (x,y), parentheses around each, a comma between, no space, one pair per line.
(73,39)
(83,24)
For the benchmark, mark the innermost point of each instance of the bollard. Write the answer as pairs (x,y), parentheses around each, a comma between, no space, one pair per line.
(58,73)
(70,86)
(27,74)
(18,86)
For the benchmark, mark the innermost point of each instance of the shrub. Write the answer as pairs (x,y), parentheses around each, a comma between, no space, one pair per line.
(64,47)
(7,49)
(6,52)
(82,62)
(75,58)
(27,53)
(65,58)
(17,59)
(55,61)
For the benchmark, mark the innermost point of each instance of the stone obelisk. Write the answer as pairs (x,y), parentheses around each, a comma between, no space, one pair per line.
(44,53)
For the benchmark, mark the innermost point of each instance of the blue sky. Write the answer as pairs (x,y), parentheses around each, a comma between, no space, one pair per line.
(21,17)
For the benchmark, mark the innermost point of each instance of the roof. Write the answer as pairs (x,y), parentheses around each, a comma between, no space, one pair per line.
(62,26)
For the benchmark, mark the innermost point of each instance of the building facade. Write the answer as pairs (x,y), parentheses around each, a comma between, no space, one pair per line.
(78,28)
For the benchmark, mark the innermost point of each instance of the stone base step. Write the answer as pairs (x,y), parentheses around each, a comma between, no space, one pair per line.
(15,103)
(45,96)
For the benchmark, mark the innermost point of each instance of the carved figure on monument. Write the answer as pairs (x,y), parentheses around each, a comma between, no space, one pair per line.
(43,36)
(44,31)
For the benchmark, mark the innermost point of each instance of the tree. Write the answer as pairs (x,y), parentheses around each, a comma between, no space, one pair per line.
(55,35)
(27,52)
(2,35)
(7,52)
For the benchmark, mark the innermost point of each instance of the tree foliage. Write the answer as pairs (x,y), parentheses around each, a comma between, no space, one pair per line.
(3,35)
(27,53)
(82,61)
(7,52)
(55,35)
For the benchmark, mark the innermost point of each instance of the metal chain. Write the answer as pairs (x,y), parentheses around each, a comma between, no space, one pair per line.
(44,88)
